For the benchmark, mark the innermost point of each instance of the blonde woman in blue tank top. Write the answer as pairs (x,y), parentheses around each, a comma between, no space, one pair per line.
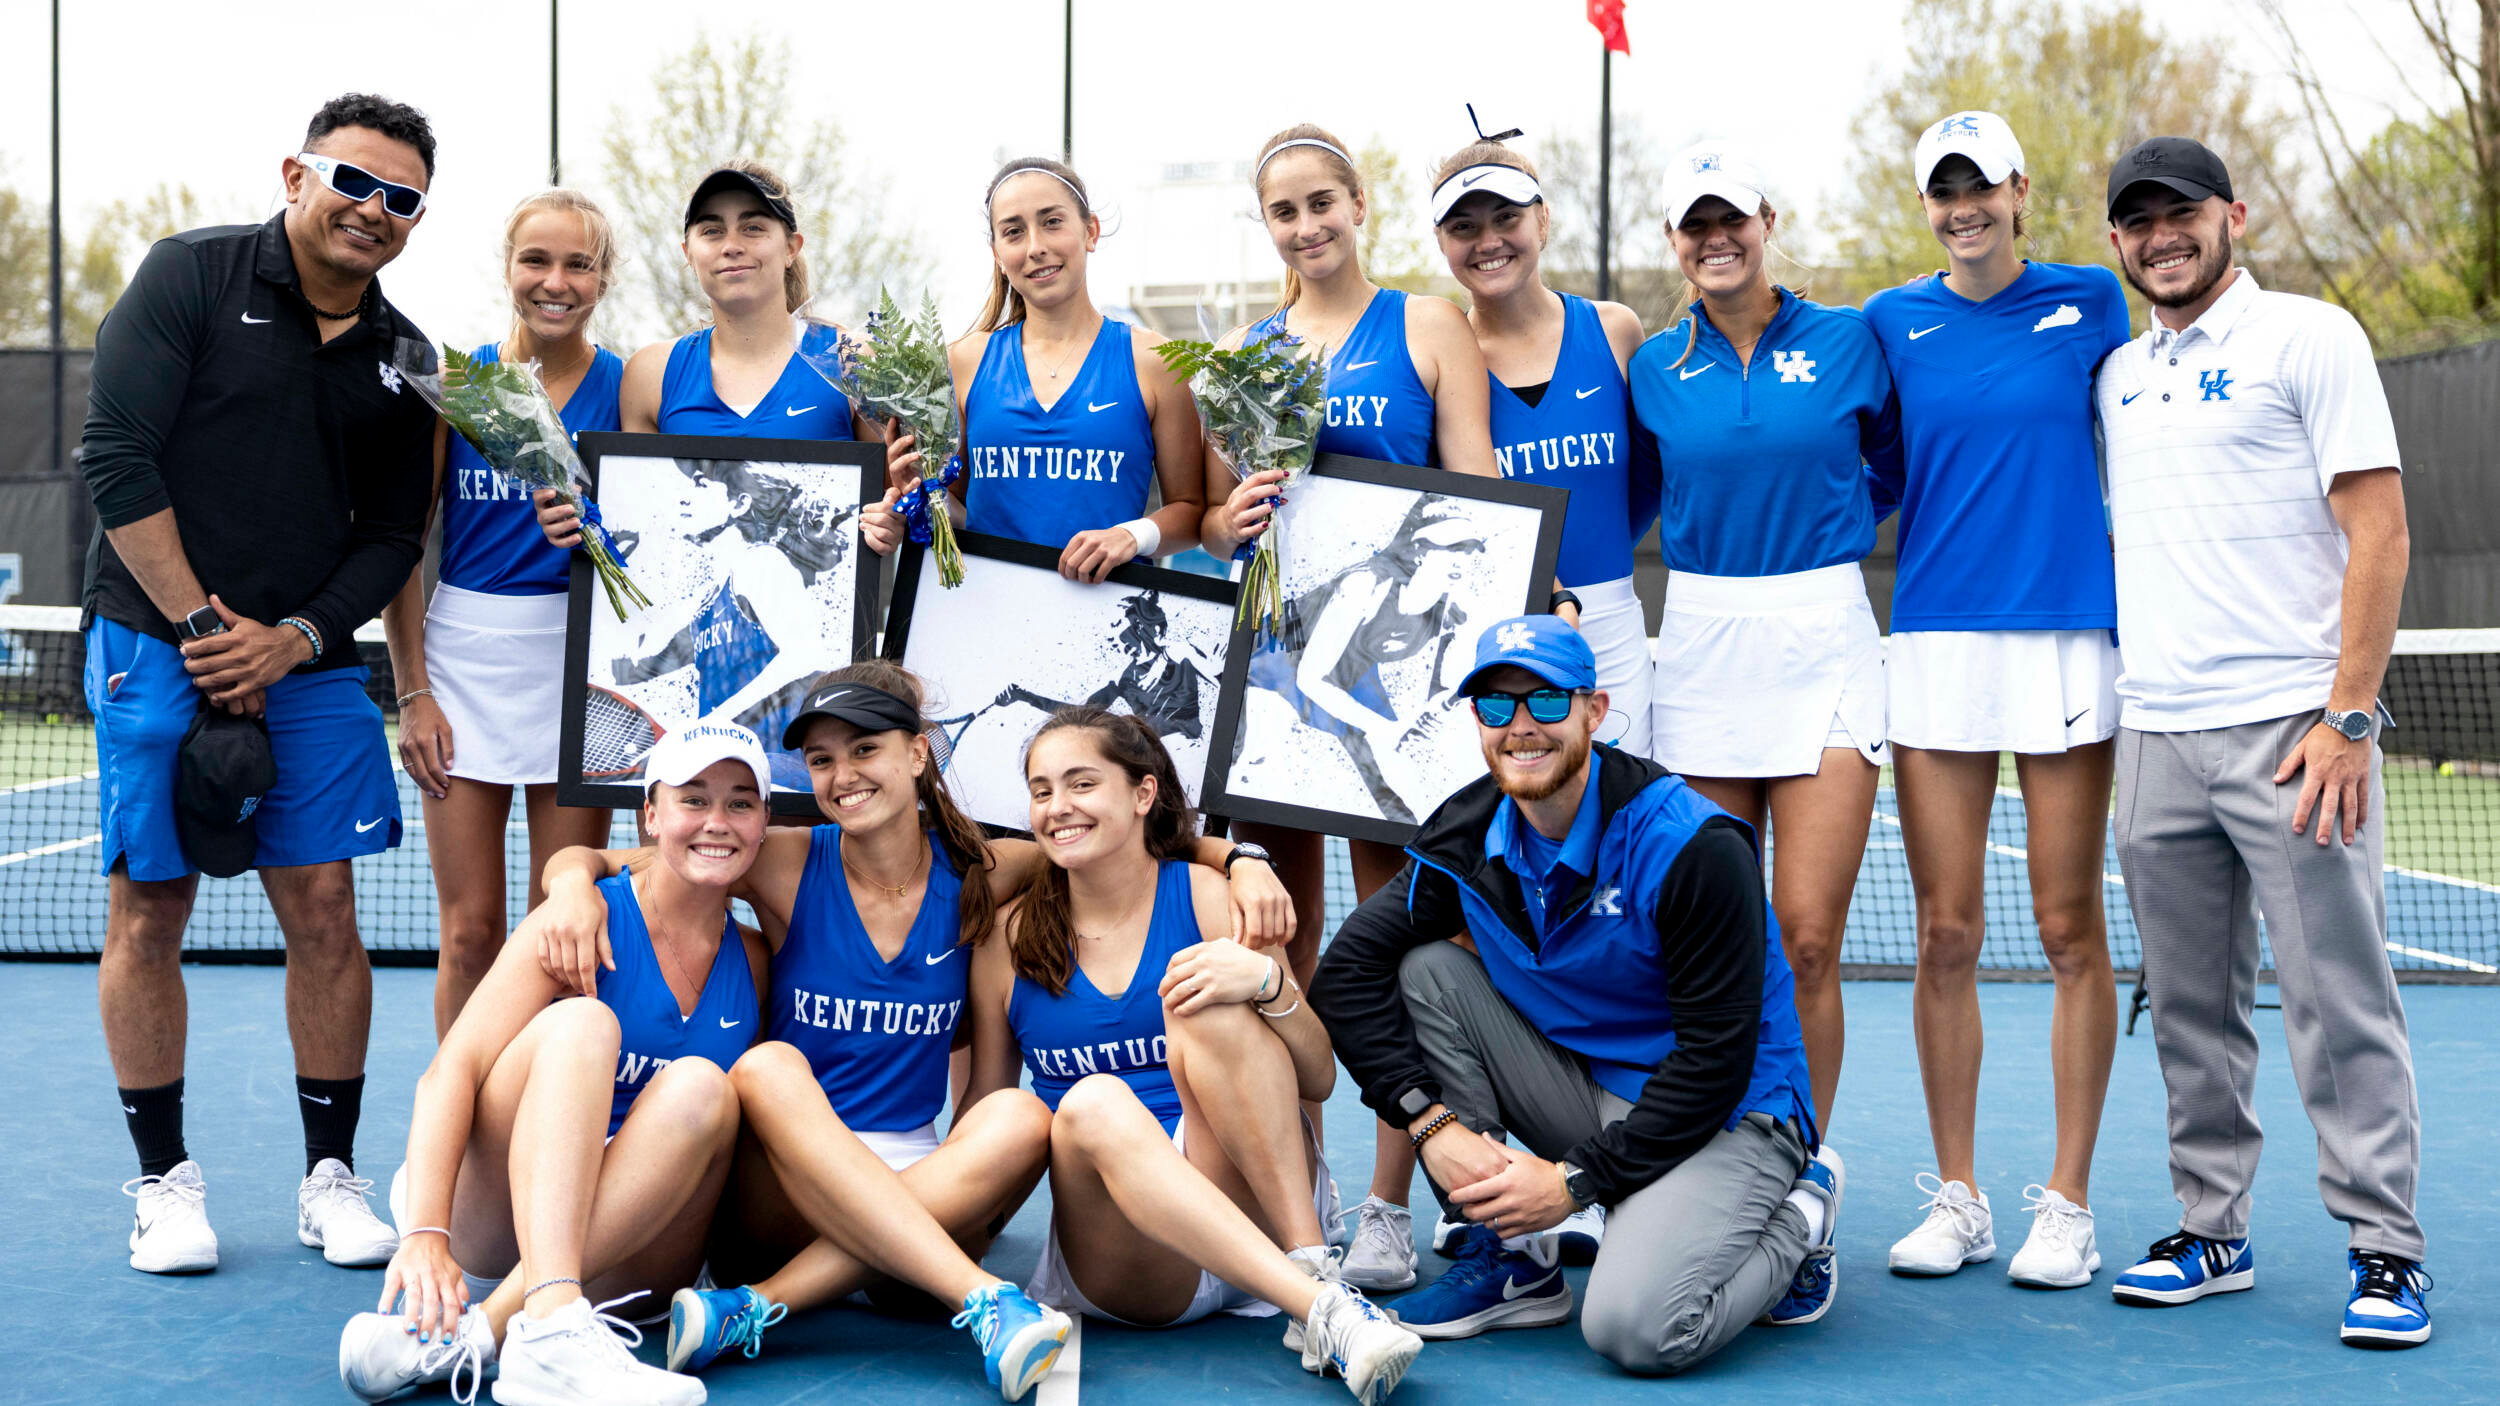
(1069,416)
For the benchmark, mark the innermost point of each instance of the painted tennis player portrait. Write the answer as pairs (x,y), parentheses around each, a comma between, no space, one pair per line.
(1147,642)
(1350,708)
(756,579)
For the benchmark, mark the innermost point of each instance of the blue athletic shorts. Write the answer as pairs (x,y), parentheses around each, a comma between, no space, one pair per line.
(336,797)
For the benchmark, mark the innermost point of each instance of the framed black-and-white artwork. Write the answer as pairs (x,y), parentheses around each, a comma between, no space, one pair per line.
(1345,716)
(749,551)
(1017,640)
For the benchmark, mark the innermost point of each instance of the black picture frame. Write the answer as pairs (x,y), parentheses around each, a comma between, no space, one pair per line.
(1227,793)
(588,606)
(1031,563)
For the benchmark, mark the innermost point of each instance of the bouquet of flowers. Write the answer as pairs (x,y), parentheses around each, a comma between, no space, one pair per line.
(1262,407)
(900,374)
(505,415)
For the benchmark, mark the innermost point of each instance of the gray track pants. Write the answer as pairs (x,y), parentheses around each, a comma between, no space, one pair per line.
(2205,841)
(1688,1260)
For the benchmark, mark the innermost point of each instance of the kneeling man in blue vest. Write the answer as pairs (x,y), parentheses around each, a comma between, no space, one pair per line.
(1616,1028)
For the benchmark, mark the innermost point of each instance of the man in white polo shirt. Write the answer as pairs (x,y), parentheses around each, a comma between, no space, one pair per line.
(2258,519)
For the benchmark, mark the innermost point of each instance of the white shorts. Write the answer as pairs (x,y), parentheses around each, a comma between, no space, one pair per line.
(900,1150)
(1756,675)
(2031,691)
(1611,621)
(495,664)
(1052,1284)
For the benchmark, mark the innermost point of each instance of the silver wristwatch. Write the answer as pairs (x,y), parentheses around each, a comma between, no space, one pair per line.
(2355,725)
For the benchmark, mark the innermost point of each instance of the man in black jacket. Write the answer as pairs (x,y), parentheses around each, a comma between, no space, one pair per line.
(1625,1010)
(261,472)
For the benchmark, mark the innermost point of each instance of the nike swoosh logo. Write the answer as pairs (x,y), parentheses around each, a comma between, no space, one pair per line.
(1513,1290)
(126,1108)
(2070,722)
(252,321)
(1359,365)
(308,1098)
(1098,409)
(1583,395)
(2124,399)
(364,825)
(731,1024)
(1688,375)
(1921,332)
(942,956)
(1471,180)
(799,411)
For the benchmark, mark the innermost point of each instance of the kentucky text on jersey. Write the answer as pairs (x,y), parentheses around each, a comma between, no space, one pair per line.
(1377,405)
(1044,473)
(1108,1057)
(1571,451)
(1576,437)
(1037,461)
(843,1013)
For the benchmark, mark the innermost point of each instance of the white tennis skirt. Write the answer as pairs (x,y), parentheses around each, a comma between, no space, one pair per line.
(2034,691)
(1610,620)
(495,664)
(1758,674)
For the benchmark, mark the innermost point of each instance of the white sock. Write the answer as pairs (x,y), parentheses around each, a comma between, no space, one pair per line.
(1810,1206)
(1541,1248)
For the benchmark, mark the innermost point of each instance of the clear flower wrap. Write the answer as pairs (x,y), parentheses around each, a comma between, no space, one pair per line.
(1262,407)
(899,372)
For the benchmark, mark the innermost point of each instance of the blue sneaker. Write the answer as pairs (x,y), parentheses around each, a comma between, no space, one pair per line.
(1020,1339)
(1809,1294)
(2386,1308)
(1488,1287)
(704,1323)
(2183,1268)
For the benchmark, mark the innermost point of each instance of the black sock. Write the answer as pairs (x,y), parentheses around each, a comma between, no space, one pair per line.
(155,1117)
(329,1107)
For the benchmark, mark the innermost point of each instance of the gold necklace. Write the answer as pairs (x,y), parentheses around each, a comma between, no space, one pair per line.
(895,889)
(1054,372)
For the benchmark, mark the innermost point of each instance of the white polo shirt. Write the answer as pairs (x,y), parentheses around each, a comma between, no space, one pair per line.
(2221,444)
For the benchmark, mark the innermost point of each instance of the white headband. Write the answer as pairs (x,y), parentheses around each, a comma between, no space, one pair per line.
(1081,202)
(1281,147)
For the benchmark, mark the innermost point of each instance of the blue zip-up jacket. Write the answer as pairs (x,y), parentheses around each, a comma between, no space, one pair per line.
(1663,969)
(1761,464)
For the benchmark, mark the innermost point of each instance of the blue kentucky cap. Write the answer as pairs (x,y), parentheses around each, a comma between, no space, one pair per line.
(1541,644)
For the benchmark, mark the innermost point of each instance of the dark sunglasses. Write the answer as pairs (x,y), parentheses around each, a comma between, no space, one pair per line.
(1545,705)
(356,185)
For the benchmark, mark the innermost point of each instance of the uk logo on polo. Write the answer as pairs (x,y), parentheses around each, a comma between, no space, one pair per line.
(1607,902)
(2216,383)
(1510,637)
(390,375)
(1792,366)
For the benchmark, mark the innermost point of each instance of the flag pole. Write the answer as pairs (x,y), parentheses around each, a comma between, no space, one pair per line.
(1067,84)
(555,149)
(1605,169)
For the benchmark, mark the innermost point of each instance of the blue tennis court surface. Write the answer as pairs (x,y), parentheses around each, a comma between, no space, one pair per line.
(82,1327)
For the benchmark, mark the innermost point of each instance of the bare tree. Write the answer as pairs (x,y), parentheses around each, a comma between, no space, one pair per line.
(1641,266)
(736,99)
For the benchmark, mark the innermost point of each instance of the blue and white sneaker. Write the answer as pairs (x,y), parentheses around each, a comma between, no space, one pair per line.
(1020,1339)
(2183,1268)
(1348,1336)
(1488,1287)
(2386,1307)
(1809,1294)
(704,1323)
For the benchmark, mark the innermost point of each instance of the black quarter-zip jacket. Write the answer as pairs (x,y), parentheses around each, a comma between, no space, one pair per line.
(299,472)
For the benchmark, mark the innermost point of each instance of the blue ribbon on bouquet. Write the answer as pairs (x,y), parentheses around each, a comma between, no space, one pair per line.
(591,522)
(915,505)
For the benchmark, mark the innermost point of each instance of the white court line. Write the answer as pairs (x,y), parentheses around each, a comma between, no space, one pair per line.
(48,785)
(1060,1387)
(63,847)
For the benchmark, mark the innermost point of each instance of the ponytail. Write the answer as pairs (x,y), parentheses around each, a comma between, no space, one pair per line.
(1041,933)
(1310,137)
(966,847)
(1688,295)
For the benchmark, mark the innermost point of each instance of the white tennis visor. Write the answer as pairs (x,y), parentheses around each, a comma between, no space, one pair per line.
(1508,182)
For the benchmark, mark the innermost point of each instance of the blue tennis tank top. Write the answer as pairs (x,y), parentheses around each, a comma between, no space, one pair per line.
(801,405)
(1043,476)
(723,1022)
(876,1032)
(1578,437)
(1377,405)
(730,649)
(491,541)
(1081,1031)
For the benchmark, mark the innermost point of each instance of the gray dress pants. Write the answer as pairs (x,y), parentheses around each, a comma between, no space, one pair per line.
(1689,1259)
(2205,841)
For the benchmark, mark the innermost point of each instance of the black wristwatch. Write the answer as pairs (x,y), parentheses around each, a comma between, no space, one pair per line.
(200,624)
(1247,851)
(1413,1102)
(2354,725)
(1579,1184)
(1561,598)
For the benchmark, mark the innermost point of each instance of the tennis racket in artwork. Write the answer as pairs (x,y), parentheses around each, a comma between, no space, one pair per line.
(944,733)
(616,734)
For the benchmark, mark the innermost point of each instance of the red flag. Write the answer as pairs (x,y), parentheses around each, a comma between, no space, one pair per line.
(1607,15)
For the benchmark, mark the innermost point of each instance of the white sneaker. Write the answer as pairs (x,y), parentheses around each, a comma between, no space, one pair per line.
(1351,1337)
(1445,1233)
(169,1231)
(331,1216)
(574,1355)
(1580,1236)
(2059,1253)
(1323,1263)
(1382,1256)
(1959,1230)
(379,1358)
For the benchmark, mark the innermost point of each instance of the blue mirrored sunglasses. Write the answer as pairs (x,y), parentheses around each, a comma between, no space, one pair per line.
(356,185)
(1545,705)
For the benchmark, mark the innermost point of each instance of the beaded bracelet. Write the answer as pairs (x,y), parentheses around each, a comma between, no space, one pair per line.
(311,635)
(1440,1120)
(413,694)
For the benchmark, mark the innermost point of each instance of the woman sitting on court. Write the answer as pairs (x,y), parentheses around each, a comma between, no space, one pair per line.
(866,919)
(1181,1167)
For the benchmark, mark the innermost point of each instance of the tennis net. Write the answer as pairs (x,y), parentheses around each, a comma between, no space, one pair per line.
(2443,828)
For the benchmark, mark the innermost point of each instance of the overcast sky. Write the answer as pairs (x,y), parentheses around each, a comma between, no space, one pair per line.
(932,95)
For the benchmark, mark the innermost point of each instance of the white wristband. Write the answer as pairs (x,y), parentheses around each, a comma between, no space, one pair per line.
(1149,537)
